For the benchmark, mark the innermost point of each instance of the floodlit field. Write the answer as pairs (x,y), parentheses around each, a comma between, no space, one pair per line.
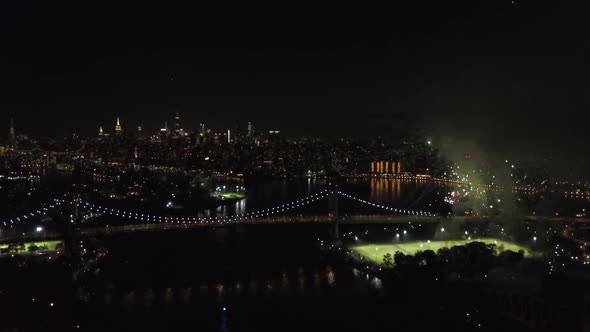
(51,245)
(375,252)
(234,195)
(229,195)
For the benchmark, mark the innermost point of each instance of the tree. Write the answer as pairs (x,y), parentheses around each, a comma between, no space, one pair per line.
(33,247)
(388,260)
(13,247)
(400,259)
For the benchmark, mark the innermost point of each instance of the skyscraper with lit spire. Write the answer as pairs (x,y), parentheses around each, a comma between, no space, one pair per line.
(11,135)
(100,131)
(118,128)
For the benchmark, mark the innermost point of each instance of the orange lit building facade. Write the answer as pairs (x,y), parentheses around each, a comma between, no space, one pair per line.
(386,167)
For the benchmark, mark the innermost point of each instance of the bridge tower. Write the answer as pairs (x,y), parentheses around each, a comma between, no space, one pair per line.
(333,210)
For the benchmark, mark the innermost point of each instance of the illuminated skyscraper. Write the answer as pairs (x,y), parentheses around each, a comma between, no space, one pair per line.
(177,123)
(100,131)
(164,130)
(118,128)
(11,135)
(250,129)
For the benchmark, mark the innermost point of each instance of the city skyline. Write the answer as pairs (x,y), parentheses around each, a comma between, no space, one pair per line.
(308,72)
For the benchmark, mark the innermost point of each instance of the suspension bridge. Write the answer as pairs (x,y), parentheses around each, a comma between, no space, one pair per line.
(81,216)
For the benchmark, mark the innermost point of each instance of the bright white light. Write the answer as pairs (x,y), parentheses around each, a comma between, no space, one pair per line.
(442,229)
(39,229)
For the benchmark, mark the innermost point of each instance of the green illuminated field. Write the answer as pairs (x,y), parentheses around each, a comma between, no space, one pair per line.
(375,252)
(51,246)
(229,195)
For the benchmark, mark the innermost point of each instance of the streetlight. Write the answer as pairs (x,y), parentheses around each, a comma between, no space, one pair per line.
(39,229)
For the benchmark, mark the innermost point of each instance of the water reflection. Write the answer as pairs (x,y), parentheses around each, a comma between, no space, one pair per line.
(330,276)
(253,286)
(148,297)
(376,283)
(323,280)
(187,294)
(269,286)
(238,287)
(316,280)
(130,297)
(168,295)
(284,280)
(410,190)
(220,290)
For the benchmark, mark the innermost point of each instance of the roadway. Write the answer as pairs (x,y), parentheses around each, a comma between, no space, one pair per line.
(88,230)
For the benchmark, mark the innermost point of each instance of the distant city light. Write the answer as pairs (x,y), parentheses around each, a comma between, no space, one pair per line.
(39,229)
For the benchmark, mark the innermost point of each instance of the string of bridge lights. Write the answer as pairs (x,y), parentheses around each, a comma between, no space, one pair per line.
(388,208)
(136,216)
(40,212)
(142,217)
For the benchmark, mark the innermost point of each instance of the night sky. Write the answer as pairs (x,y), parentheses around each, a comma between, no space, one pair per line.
(507,76)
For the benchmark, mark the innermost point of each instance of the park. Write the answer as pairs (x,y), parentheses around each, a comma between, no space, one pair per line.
(374,252)
(30,247)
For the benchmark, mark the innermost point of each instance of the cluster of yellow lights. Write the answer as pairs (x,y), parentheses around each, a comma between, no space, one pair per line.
(383,167)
